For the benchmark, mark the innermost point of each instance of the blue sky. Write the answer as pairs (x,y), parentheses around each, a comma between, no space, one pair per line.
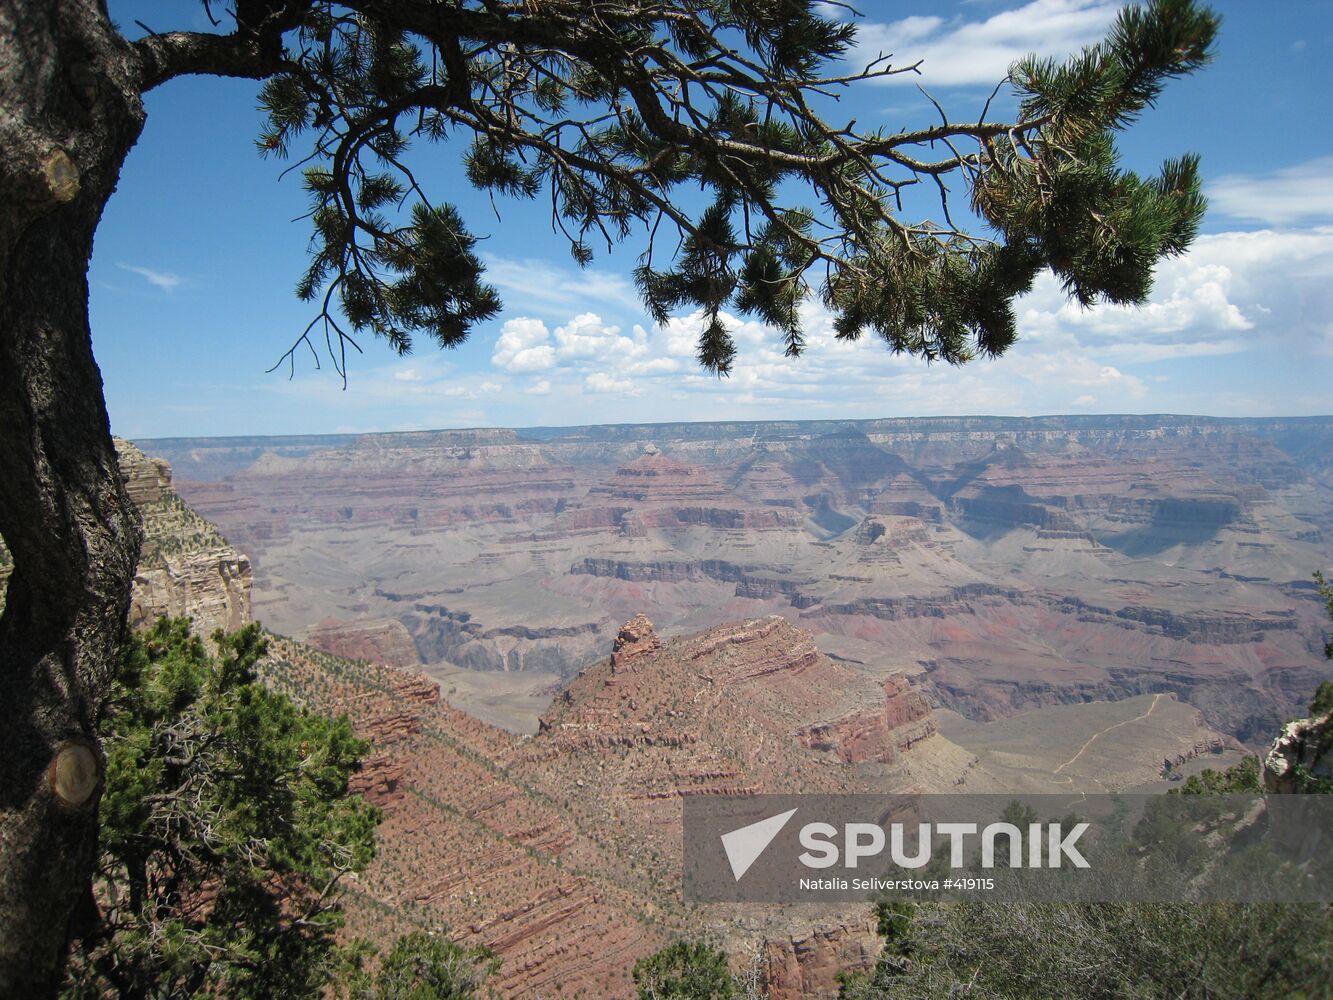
(196,257)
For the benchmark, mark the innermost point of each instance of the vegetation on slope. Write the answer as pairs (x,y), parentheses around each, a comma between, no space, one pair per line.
(173,528)
(226,832)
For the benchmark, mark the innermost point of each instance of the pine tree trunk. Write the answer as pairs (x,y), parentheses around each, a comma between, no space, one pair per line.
(69,113)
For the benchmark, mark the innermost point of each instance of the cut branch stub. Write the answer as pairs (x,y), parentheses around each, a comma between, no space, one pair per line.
(62,176)
(75,772)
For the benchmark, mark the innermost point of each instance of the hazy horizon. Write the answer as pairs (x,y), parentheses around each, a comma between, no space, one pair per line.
(924,418)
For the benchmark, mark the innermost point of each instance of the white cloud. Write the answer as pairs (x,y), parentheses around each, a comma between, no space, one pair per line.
(539,284)
(407,375)
(523,346)
(164,280)
(656,366)
(1297,194)
(680,335)
(586,337)
(1069,368)
(956,51)
(1263,294)
(599,382)
(1231,292)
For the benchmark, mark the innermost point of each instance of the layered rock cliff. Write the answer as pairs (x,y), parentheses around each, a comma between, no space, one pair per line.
(186,567)
(1301,757)
(383,640)
(1042,559)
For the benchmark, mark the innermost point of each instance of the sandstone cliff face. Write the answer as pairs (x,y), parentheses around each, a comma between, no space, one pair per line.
(1302,752)
(186,567)
(212,588)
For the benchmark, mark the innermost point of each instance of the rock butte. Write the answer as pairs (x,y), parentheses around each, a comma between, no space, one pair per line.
(560,851)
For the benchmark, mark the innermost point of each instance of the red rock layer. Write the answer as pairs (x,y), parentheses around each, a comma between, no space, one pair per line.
(876,734)
(464,845)
(380,640)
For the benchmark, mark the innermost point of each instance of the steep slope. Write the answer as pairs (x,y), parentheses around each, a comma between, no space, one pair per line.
(467,845)
(561,851)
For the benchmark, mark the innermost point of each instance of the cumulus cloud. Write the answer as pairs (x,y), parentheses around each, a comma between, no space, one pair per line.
(654,366)
(1072,369)
(599,382)
(1231,292)
(1265,294)
(957,51)
(523,346)
(1302,193)
(586,337)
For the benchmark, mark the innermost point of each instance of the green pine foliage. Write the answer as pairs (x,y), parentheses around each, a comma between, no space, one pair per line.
(694,126)
(419,966)
(685,970)
(1326,593)
(1243,778)
(1108,951)
(226,828)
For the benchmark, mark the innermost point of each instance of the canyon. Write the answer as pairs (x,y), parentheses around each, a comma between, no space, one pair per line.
(1004,565)
(937,609)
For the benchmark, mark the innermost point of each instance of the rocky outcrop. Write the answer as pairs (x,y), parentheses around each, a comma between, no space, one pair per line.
(876,734)
(1211,745)
(1301,754)
(146,479)
(807,967)
(379,781)
(635,639)
(186,567)
(211,587)
(383,640)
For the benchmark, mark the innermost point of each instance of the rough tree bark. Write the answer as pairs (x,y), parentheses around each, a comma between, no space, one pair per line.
(69,113)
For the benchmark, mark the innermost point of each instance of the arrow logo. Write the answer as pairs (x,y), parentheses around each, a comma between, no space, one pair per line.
(744,845)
